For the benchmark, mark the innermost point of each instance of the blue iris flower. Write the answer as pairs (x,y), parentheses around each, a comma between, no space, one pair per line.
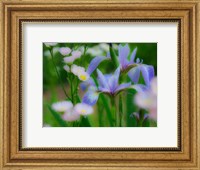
(108,84)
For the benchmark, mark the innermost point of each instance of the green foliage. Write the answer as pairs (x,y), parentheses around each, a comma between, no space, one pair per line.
(58,118)
(131,121)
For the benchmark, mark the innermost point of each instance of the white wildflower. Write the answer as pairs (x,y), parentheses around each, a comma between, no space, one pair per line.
(83,109)
(66,68)
(70,116)
(65,51)
(80,72)
(62,106)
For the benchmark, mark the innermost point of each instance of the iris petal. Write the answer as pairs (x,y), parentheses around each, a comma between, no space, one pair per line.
(104,90)
(94,63)
(133,55)
(134,74)
(85,84)
(113,81)
(139,87)
(122,86)
(123,55)
(90,97)
(150,72)
(102,79)
(147,73)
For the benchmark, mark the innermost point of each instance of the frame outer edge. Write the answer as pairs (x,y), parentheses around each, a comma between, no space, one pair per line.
(3,80)
(1,85)
(198,81)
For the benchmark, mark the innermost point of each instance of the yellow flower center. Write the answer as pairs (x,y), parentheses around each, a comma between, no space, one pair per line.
(83,111)
(83,77)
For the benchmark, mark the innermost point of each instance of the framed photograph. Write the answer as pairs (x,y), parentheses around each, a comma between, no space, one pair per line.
(99,85)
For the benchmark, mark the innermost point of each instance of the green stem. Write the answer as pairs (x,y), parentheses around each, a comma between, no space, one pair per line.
(114,111)
(51,52)
(100,114)
(71,90)
(107,108)
(120,110)
(75,92)
(141,118)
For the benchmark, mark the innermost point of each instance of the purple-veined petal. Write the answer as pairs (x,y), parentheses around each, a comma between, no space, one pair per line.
(139,87)
(123,55)
(85,84)
(134,74)
(104,90)
(146,116)
(102,79)
(113,81)
(147,73)
(133,55)
(122,86)
(94,64)
(150,72)
(90,97)
(108,76)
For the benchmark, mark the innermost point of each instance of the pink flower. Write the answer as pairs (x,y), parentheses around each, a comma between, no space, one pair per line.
(64,51)
(148,99)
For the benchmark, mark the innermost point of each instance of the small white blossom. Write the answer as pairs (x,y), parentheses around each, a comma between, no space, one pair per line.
(145,100)
(104,46)
(148,99)
(95,51)
(76,54)
(83,76)
(76,69)
(80,72)
(70,116)
(83,109)
(62,106)
(65,51)
(66,68)
(69,59)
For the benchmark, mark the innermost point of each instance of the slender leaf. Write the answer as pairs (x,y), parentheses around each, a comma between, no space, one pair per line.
(130,108)
(146,123)
(85,122)
(58,118)
(107,108)
(114,57)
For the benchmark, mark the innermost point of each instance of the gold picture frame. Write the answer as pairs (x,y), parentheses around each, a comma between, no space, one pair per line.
(15,13)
